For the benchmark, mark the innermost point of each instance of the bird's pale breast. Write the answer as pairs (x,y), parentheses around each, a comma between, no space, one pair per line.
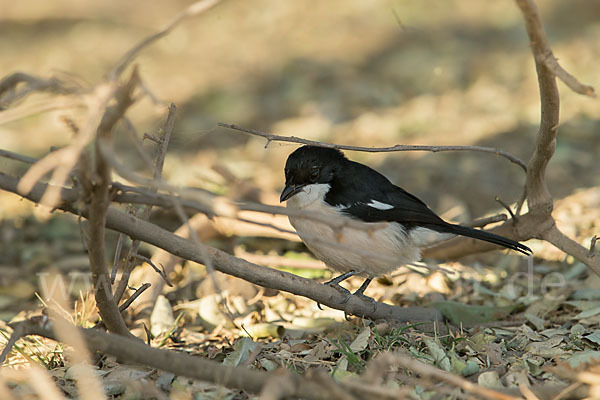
(373,252)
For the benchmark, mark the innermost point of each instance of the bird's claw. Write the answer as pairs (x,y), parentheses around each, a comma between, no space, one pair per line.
(340,289)
(364,297)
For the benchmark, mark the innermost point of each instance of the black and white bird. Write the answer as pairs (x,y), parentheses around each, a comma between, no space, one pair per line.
(323,181)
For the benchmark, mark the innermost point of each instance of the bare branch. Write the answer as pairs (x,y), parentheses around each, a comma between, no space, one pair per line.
(42,105)
(159,271)
(223,262)
(569,246)
(211,204)
(507,208)
(481,222)
(400,147)
(538,196)
(99,204)
(62,161)
(134,296)
(117,257)
(161,153)
(134,351)
(8,87)
(568,79)
(592,251)
(17,157)
(538,222)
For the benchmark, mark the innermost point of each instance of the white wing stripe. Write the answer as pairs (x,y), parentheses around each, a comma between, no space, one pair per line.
(379,205)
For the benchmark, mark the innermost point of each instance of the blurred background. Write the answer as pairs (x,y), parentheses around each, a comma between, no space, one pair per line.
(353,72)
(381,73)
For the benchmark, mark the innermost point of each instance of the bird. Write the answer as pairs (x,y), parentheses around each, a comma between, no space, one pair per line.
(382,225)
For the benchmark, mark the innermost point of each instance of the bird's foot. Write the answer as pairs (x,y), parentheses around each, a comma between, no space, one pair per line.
(343,291)
(335,283)
(364,297)
(340,289)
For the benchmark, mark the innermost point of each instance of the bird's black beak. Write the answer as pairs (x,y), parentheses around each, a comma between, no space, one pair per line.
(289,191)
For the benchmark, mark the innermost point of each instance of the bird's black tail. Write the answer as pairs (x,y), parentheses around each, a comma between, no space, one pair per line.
(486,236)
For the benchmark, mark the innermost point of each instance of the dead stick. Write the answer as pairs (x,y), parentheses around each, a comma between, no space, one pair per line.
(161,154)
(136,352)
(400,147)
(98,207)
(152,234)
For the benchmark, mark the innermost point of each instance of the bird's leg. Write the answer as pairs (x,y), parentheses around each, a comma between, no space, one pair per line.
(335,283)
(360,292)
(338,279)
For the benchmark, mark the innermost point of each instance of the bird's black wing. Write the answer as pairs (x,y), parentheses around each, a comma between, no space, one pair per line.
(363,193)
(366,195)
(401,207)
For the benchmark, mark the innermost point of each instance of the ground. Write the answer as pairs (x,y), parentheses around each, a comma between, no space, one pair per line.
(351,72)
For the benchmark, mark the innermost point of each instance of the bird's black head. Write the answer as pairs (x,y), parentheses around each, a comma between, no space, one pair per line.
(310,165)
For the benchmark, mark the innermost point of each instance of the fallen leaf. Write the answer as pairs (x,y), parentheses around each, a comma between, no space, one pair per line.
(361,341)
(242,350)
(490,379)
(438,353)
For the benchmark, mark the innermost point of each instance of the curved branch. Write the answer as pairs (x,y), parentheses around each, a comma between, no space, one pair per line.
(569,246)
(99,203)
(399,147)
(8,86)
(539,222)
(136,352)
(568,79)
(228,264)
(538,196)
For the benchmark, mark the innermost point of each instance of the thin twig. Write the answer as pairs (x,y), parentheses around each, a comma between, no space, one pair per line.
(117,257)
(159,271)
(137,145)
(481,222)
(9,94)
(17,157)
(568,79)
(293,139)
(507,208)
(592,251)
(134,296)
(569,246)
(161,153)
(151,137)
(99,204)
(212,205)
(17,334)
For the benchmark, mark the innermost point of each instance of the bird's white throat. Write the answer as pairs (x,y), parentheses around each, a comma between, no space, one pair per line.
(311,195)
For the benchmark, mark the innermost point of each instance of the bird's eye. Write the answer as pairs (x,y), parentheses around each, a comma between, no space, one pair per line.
(314,175)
